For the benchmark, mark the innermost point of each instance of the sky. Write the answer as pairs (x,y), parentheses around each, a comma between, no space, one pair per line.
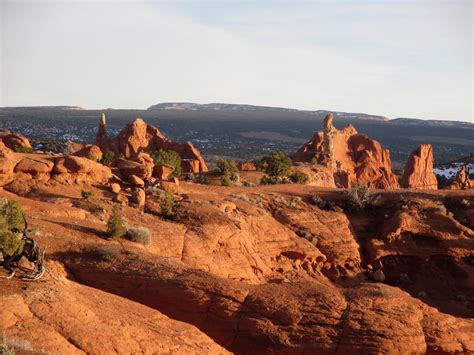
(394,58)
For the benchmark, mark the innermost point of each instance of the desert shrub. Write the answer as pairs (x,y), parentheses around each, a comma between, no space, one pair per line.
(168,157)
(226,181)
(198,178)
(107,252)
(275,165)
(22,149)
(248,184)
(167,205)
(299,177)
(11,242)
(116,225)
(93,157)
(86,194)
(12,225)
(324,204)
(269,180)
(358,198)
(108,157)
(9,346)
(139,235)
(12,217)
(227,167)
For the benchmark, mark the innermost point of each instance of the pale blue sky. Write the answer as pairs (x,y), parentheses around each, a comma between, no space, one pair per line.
(394,58)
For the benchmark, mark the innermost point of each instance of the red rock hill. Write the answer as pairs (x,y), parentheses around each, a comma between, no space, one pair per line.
(138,136)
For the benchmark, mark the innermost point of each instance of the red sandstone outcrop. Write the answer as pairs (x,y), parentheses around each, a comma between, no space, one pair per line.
(418,172)
(353,158)
(162,171)
(90,151)
(12,140)
(137,137)
(72,169)
(246,166)
(462,180)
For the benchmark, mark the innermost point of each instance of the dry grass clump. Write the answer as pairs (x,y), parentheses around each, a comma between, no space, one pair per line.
(139,235)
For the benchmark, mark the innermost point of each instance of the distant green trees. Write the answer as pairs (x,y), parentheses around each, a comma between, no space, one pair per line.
(168,157)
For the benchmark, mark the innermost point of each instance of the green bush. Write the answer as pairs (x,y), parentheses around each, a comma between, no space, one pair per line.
(11,242)
(167,205)
(12,226)
(93,158)
(86,195)
(275,165)
(226,181)
(168,157)
(22,149)
(227,167)
(116,228)
(299,177)
(108,157)
(139,235)
(359,198)
(269,180)
(12,216)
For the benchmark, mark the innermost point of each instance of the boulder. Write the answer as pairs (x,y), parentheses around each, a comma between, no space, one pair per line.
(120,199)
(246,166)
(92,152)
(171,186)
(137,137)
(129,168)
(37,167)
(73,169)
(351,157)
(13,140)
(162,171)
(418,172)
(139,197)
(136,181)
(115,188)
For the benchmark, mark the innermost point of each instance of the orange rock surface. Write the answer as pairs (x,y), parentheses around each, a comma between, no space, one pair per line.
(418,172)
(359,159)
(137,137)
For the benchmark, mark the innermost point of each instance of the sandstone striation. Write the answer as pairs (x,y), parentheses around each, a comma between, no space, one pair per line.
(418,172)
(137,137)
(353,158)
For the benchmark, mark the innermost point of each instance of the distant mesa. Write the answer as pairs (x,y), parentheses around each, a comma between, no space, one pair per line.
(138,136)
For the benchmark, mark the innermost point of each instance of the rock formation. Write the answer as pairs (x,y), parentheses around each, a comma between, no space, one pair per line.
(418,172)
(13,140)
(137,137)
(353,158)
(462,180)
(90,151)
(26,168)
